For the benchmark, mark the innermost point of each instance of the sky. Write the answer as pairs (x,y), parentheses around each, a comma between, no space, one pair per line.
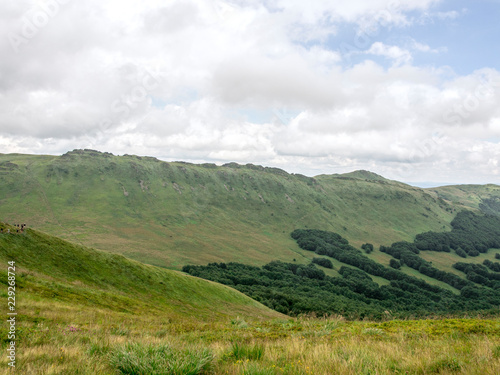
(406,89)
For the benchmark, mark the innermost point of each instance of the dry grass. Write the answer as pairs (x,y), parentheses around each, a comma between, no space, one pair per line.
(57,338)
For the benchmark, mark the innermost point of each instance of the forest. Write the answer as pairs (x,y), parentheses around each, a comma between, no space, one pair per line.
(300,289)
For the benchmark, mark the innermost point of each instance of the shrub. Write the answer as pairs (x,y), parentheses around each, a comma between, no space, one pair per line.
(327,263)
(494,266)
(394,264)
(367,247)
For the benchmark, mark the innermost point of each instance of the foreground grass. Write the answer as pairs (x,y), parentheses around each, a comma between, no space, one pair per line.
(58,338)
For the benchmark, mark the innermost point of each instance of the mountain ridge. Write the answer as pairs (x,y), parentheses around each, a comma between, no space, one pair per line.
(174,213)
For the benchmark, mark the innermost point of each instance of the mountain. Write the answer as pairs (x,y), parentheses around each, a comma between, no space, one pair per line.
(172,214)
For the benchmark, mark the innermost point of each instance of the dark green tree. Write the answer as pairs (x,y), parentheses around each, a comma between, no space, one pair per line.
(367,247)
(394,264)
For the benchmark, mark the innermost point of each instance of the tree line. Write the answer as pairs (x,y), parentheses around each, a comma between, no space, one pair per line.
(295,289)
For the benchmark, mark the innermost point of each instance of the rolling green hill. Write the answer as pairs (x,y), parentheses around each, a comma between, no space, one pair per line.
(172,214)
(51,269)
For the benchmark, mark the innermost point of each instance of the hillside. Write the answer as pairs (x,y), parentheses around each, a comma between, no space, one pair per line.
(172,214)
(483,197)
(51,270)
(297,289)
(362,175)
(86,312)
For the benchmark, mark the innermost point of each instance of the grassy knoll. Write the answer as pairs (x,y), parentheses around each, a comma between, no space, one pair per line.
(61,271)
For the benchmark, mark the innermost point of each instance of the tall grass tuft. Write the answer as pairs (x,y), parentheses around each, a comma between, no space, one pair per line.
(142,359)
(244,351)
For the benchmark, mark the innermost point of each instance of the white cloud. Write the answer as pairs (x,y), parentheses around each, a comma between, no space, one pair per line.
(398,55)
(425,48)
(449,15)
(174,79)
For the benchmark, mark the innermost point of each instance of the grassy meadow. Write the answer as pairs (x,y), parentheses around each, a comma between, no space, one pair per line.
(61,338)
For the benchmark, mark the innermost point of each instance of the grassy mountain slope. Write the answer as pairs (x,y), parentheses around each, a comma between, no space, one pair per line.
(483,197)
(363,175)
(52,269)
(172,214)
